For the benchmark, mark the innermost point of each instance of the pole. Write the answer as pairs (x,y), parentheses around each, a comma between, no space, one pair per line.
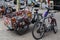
(18,5)
(41,4)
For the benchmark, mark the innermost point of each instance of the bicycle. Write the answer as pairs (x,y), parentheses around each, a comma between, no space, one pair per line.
(40,26)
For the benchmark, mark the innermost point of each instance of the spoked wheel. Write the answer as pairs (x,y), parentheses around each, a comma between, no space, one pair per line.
(21,27)
(38,31)
(55,28)
(22,30)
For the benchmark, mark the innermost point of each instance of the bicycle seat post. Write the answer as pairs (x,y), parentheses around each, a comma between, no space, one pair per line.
(36,13)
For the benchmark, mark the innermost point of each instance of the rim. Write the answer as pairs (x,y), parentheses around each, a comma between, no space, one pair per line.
(55,28)
(22,28)
(38,31)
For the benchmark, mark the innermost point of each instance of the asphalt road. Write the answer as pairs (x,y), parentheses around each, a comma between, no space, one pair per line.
(11,35)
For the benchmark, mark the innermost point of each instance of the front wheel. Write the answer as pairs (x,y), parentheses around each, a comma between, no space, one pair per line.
(38,31)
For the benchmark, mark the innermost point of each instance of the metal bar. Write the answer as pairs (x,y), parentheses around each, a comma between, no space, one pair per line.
(54,5)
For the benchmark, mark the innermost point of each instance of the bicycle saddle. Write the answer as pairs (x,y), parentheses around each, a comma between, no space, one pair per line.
(21,8)
(36,9)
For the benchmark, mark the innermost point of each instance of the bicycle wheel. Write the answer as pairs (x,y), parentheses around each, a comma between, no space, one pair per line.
(55,28)
(38,31)
(22,30)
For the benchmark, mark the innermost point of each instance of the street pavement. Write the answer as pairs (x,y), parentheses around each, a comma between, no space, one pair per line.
(11,35)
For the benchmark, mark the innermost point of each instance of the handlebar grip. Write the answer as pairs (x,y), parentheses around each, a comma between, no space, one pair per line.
(52,12)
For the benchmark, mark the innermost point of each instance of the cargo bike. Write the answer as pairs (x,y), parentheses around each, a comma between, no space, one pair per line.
(19,21)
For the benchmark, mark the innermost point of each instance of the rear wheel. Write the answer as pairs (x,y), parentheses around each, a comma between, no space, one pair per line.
(38,31)
(55,28)
(22,30)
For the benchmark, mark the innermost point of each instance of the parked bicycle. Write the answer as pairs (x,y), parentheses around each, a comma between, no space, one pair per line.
(41,26)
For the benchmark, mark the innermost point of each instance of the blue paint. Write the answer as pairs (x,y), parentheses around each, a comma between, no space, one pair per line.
(46,13)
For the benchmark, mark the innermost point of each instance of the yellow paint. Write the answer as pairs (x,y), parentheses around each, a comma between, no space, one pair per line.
(18,5)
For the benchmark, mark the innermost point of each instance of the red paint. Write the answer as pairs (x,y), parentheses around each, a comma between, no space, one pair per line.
(48,1)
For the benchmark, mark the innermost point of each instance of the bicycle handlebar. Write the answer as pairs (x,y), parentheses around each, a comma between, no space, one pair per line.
(52,12)
(48,8)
